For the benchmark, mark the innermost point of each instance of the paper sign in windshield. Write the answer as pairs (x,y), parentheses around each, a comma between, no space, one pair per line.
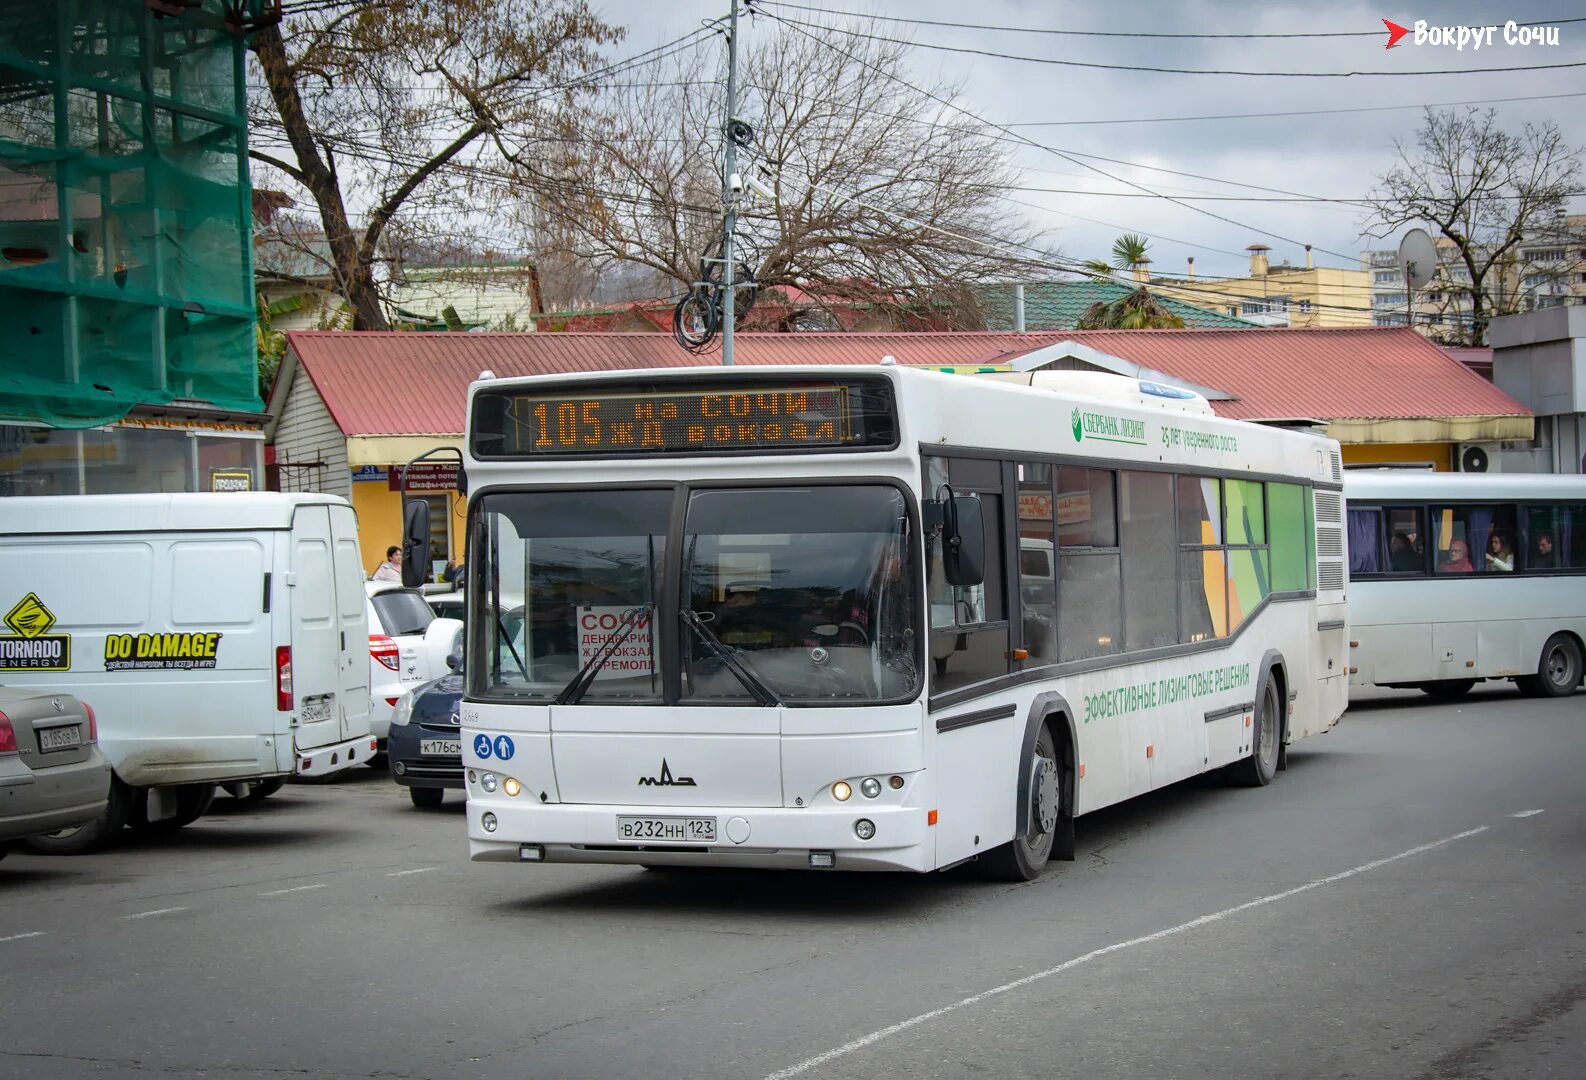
(596,628)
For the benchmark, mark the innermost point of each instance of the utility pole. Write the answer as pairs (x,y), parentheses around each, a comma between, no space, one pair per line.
(729,198)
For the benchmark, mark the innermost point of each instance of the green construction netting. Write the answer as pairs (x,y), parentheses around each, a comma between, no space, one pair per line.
(125,212)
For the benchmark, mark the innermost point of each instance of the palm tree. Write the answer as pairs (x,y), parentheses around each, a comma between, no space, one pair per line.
(1139,310)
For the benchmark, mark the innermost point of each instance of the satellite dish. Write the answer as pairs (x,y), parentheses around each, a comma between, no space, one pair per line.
(1417,258)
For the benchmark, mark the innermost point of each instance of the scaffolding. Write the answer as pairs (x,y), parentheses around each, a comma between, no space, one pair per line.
(126,272)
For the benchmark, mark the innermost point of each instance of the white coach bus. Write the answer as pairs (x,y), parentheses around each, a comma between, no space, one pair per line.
(1457,577)
(878,618)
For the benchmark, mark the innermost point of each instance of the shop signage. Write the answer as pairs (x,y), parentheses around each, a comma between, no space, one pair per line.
(425,476)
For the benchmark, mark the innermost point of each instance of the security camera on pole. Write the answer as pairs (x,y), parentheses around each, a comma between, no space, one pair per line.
(730,187)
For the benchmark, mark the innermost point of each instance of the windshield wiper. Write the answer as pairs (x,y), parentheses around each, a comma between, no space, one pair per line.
(586,674)
(730,658)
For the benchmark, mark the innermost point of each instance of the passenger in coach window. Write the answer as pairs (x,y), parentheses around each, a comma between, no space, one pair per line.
(1457,561)
(1543,558)
(1500,556)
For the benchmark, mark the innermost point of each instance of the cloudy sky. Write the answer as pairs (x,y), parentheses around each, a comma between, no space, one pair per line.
(1334,155)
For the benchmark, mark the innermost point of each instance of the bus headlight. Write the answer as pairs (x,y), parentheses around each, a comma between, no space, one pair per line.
(864,828)
(511,786)
(488,782)
(841,791)
(870,787)
(489,822)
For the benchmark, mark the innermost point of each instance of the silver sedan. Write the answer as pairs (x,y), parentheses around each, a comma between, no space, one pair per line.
(52,775)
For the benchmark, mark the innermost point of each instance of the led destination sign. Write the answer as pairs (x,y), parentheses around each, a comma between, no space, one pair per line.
(763,417)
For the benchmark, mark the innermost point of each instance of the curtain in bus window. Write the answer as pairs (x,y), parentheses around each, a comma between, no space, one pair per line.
(1365,544)
(1572,536)
(1286,505)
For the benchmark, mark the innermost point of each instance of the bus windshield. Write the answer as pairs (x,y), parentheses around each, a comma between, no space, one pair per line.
(795,595)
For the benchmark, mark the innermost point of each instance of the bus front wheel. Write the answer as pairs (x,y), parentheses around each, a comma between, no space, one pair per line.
(1025,856)
(1558,672)
(1266,735)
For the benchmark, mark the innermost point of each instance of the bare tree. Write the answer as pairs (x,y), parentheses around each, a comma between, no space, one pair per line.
(365,104)
(881,195)
(1484,189)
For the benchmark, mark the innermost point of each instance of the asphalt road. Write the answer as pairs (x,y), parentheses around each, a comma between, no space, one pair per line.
(1381,910)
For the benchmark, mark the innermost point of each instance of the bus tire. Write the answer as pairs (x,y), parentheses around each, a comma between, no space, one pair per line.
(1266,740)
(92,835)
(1448,689)
(1024,857)
(1558,673)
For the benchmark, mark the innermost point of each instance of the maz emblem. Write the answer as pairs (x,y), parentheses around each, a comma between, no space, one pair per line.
(666,779)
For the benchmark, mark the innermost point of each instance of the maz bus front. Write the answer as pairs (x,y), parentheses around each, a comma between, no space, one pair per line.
(793,617)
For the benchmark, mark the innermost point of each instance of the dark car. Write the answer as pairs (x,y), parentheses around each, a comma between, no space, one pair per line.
(53,779)
(425,745)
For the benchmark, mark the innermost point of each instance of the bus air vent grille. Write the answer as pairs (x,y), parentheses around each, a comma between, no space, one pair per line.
(1330,575)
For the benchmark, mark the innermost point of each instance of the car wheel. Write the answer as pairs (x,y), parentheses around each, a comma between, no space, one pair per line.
(1448,689)
(1266,735)
(1024,857)
(91,835)
(1557,673)
(427,798)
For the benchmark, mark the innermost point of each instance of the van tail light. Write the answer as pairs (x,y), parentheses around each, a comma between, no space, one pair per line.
(93,722)
(8,735)
(283,678)
(385,650)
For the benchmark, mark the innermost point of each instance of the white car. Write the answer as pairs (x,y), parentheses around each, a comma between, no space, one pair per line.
(408,647)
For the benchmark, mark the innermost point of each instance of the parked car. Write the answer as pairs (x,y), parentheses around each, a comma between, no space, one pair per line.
(53,779)
(447,605)
(425,747)
(408,647)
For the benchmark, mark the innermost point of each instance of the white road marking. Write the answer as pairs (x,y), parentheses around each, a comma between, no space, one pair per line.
(295,888)
(19,937)
(405,873)
(156,911)
(1526,813)
(1216,916)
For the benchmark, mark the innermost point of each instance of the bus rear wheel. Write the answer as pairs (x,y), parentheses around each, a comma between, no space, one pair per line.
(1266,734)
(1025,856)
(1557,673)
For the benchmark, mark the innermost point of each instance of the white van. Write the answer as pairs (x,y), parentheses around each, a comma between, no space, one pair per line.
(221,637)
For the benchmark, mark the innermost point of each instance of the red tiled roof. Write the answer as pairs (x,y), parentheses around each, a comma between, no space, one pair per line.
(1378,373)
(1386,373)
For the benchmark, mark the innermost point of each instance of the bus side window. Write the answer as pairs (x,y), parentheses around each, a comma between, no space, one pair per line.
(969,628)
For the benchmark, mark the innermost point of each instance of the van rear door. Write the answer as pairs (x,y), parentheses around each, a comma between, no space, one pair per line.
(317,645)
(351,614)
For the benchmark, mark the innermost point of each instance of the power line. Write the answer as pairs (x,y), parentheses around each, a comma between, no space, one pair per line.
(1296,112)
(1072,158)
(1168,70)
(1100,33)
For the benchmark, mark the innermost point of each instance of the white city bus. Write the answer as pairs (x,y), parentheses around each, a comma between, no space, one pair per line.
(1457,577)
(800,617)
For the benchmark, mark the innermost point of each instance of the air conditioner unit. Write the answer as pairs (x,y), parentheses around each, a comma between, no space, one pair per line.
(1477,458)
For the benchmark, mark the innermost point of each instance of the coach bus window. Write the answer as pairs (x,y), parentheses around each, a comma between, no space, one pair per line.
(1150,557)
(1249,570)
(969,626)
(1089,590)
(1365,541)
(571,572)
(809,588)
(1037,561)
(1468,535)
(1557,537)
(1286,532)
(1203,567)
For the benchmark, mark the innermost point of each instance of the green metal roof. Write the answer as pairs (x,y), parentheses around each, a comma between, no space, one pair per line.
(1058,305)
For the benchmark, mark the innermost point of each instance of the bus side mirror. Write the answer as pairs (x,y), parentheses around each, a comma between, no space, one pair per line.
(964,543)
(415,542)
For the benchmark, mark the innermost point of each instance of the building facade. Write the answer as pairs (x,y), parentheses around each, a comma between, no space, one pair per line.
(1281,295)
